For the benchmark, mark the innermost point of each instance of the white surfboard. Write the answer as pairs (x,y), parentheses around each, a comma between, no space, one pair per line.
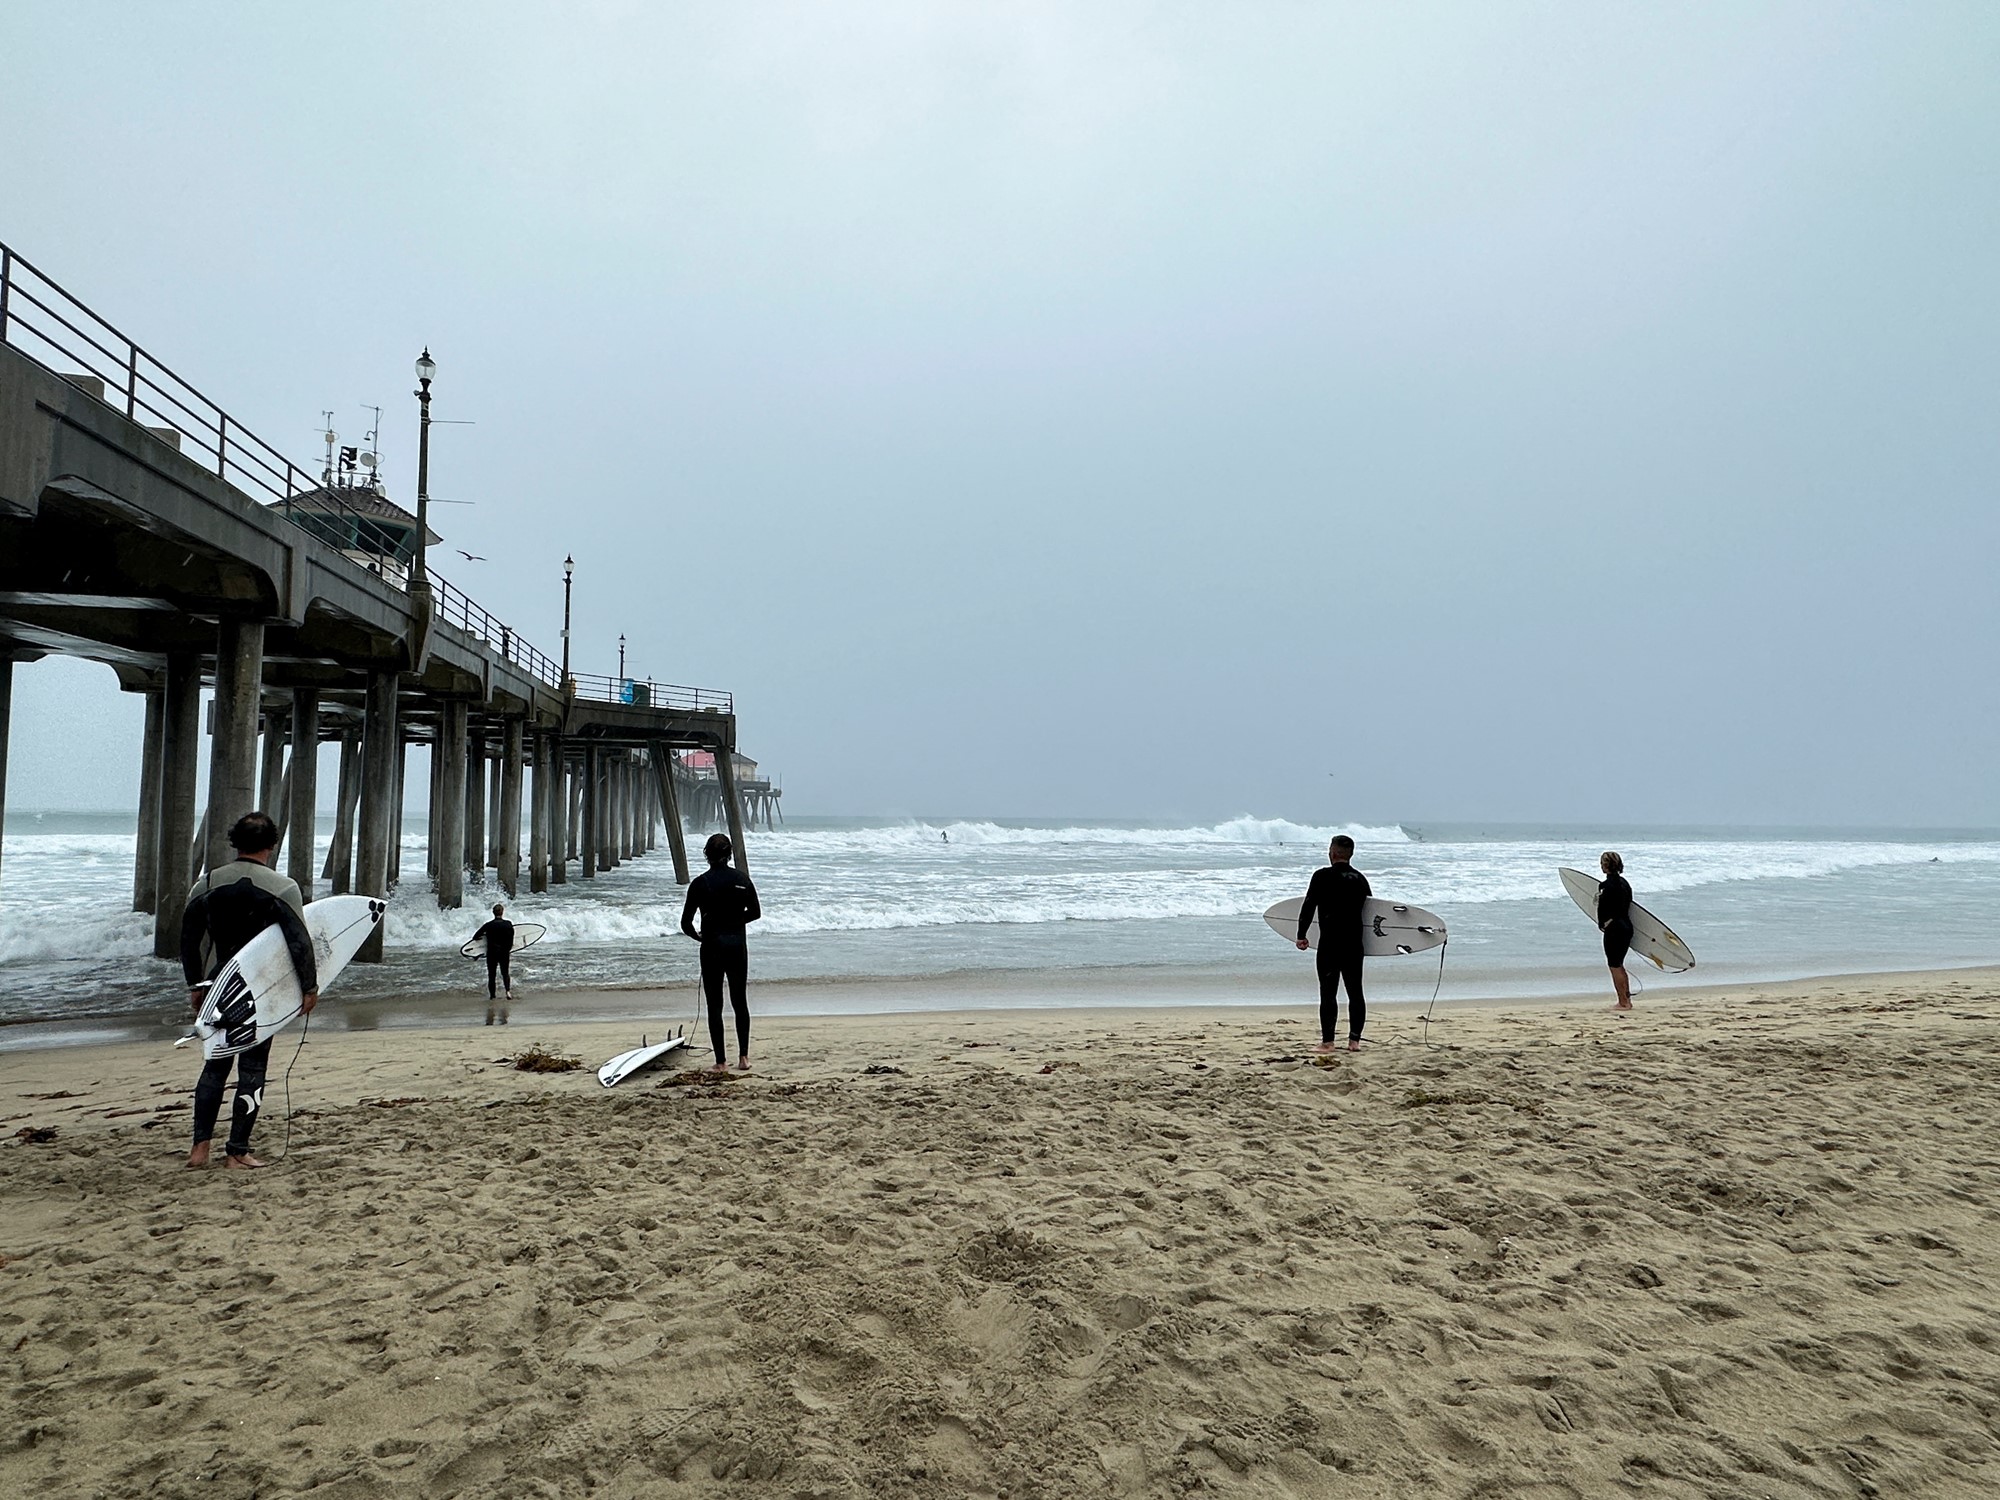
(625,1064)
(1652,939)
(257,994)
(1387,927)
(526,935)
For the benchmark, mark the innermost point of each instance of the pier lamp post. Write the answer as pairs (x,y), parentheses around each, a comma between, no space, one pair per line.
(426,368)
(569,568)
(621,658)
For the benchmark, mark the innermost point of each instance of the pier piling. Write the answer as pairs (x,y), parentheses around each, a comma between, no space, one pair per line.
(447,817)
(302,817)
(180,743)
(509,862)
(146,847)
(232,750)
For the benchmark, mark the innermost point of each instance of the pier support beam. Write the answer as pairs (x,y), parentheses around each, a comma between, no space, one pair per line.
(575,795)
(338,871)
(559,824)
(495,838)
(380,740)
(475,803)
(396,804)
(447,816)
(6,725)
(180,744)
(670,809)
(509,861)
(271,779)
(608,837)
(146,847)
(592,808)
(232,753)
(302,818)
(732,805)
(538,819)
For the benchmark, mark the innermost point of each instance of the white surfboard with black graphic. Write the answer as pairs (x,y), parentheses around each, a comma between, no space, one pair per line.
(257,994)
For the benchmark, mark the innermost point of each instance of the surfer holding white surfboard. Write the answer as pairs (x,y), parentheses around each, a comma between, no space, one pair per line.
(226,909)
(1614,920)
(1336,896)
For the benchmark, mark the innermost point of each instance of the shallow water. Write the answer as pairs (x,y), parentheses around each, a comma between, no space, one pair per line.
(854,902)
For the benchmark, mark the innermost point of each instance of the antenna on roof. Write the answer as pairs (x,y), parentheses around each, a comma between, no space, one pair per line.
(371,457)
(332,437)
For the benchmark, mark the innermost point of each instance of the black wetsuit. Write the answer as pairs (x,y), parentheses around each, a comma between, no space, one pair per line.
(225,911)
(1335,896)
(727,902)
(499,935)
(1614,918)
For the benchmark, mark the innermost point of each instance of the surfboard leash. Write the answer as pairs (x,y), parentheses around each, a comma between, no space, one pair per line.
(1436,989)
(305,1027)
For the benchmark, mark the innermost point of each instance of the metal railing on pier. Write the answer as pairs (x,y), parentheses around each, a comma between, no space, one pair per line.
(643,692)
(55,329)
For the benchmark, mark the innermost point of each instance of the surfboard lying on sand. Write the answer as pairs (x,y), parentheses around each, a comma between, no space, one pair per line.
(625,1064)
(1387,927)
(526,935)
(257,994)
(1652,939)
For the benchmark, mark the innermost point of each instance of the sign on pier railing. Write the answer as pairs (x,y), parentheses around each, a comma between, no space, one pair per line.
(643,692)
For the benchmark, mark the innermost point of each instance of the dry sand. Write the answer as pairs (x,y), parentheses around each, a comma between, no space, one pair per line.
(1735,1245)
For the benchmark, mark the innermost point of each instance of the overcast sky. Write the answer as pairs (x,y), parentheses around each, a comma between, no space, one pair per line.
(1513,412)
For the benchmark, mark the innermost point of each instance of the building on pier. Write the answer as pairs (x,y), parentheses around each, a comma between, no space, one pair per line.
(142,526)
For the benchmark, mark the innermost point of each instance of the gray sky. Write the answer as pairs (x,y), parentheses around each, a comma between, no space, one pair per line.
(1534,411)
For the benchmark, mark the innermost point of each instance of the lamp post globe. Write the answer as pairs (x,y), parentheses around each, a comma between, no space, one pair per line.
(569,570)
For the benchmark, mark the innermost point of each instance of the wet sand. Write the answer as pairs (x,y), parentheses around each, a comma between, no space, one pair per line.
(1737,1244)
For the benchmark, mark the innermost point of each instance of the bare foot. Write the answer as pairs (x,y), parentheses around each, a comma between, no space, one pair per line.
(246,1161)
(1622,1005)
(1354,1045)
(199,1156)
(1326,1047)
(743,1063)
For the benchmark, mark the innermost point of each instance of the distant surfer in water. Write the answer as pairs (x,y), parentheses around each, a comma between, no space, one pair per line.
(727,903)
(226,909)
(1614,920)
(499,935)
(1336,895)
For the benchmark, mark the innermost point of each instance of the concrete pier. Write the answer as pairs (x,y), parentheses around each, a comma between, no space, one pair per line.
(180,744)
(232,750)
(195,552)
(6,727)
(447,819)
(670,809)
(146,847)
(379,742)
(732,804)
(509,862)
(559,820)
(538,817)
(303,816)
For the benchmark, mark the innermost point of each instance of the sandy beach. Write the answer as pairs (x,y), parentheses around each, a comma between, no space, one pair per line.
(1738,1244)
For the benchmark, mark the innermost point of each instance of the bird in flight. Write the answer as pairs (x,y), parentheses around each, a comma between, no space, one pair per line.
(469,557)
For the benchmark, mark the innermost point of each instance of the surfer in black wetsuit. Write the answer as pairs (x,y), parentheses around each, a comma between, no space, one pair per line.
(1335,896)
(226,909)
(1614,920)
(499,935)
(727,902)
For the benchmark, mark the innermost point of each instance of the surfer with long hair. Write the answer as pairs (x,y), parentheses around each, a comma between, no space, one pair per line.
(726,901)
(1614,920)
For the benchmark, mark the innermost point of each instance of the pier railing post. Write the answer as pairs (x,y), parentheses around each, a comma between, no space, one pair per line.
(232,752)
(380,737)
(302,819)
(180,744)
(510,808)
(146,847)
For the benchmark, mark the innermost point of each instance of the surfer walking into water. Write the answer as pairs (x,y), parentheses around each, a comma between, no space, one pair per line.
(499,936)
(226,909)
(1335,896)
(726,901)
(1614,920)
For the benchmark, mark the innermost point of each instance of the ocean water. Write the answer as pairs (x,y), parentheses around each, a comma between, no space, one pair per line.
(872,915)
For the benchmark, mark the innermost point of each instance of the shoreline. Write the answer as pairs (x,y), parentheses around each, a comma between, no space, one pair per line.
(1035,992)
